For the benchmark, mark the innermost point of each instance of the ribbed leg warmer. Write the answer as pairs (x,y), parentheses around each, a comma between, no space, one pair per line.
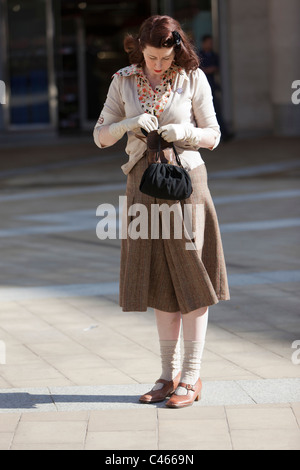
(170,360)
(193,352)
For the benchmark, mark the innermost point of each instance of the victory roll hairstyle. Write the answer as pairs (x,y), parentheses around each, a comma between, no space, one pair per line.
(162,31)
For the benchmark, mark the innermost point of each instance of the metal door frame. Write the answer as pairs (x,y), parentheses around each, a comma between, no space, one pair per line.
(52,88)
(4,61)
(84,123)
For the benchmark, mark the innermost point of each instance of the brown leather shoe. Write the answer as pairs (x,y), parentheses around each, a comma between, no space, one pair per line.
(180,401)
(155,396)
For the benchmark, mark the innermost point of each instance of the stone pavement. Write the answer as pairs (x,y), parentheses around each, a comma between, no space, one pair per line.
(74,364)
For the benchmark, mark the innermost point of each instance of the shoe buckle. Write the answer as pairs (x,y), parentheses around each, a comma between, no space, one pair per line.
(187,386)
(190,387)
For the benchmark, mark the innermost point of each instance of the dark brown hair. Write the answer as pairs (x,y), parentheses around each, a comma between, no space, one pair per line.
(157,31)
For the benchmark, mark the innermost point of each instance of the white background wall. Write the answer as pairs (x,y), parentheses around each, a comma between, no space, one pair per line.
(264,60)
(249,53)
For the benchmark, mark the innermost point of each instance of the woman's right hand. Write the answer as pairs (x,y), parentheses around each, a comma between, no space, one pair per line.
(145,121)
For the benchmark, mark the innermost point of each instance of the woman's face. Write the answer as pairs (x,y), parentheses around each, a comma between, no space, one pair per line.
(158,60)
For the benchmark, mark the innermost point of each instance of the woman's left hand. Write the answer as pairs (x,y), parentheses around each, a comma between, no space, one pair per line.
(174,132)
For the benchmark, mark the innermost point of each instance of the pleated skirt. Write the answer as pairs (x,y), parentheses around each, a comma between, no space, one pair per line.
(177,262)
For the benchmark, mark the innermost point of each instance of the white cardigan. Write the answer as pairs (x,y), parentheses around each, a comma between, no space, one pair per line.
(190,102)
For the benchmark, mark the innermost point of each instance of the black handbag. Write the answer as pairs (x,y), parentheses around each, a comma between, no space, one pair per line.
(165,177)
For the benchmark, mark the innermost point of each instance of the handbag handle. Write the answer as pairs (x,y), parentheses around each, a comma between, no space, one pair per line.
(177,156)
(159,147)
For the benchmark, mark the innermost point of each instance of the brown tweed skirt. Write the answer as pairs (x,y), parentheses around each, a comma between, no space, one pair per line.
(170,272)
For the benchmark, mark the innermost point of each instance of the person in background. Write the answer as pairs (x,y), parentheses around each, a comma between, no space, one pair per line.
(209,63)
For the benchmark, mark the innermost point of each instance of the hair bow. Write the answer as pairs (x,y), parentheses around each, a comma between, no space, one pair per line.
(177,38)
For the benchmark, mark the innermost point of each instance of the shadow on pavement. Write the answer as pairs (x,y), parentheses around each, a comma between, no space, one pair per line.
(25,400)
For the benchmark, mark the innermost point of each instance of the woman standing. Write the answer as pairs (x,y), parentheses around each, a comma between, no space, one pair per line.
(164,89)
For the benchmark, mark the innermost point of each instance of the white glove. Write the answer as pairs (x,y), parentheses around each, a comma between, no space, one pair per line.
(187,132)
(146,121)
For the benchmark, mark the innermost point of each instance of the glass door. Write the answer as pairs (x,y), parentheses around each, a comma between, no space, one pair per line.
(102,27)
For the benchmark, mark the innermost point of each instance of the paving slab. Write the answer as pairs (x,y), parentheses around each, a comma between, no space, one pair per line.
(238,427)
(120,397)
(272,390)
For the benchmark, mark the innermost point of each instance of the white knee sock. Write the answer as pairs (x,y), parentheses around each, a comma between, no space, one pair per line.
(193,351)
(170,360)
